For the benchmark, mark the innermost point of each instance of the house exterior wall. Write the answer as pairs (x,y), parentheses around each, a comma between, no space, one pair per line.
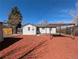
(47,30)
(53,31)
(42,30)
(32,30)
(7,31)
(1,32)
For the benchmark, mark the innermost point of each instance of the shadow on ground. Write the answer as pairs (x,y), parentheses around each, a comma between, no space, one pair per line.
(7,42)
(58,35)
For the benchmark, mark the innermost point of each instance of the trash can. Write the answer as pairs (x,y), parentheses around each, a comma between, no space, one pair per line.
(1,32)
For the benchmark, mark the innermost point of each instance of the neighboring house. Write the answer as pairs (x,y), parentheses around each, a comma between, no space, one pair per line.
(7,30)
(1,32)
(30,29)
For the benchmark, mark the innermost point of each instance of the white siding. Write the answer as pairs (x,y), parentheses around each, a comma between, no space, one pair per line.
(47,30)
(53,31)
(32,30)
(42,30)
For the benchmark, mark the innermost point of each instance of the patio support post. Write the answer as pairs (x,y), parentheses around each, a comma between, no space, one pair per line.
(45,30)
(66,30)
(71,31)
(50,33)
(60,30)
(74,32)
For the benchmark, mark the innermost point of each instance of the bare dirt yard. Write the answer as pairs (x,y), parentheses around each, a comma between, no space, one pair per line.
(42,47)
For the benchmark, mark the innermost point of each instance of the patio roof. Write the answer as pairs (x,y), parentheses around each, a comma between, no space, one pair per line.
(55,24)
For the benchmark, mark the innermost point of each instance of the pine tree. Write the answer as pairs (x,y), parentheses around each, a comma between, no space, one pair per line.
(15,19)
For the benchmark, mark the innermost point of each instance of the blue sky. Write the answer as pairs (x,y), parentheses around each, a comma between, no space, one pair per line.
(34,11)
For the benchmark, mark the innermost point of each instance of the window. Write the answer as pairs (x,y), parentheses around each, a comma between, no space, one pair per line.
(28,28)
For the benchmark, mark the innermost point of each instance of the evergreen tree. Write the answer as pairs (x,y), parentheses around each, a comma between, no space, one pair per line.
(15,19)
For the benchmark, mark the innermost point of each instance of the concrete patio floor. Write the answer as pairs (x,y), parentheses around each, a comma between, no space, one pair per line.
(42,47)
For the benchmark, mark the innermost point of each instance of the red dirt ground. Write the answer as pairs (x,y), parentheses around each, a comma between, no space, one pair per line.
(42,47)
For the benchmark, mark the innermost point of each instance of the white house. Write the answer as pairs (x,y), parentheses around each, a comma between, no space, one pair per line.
(47,29)
(30,29)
